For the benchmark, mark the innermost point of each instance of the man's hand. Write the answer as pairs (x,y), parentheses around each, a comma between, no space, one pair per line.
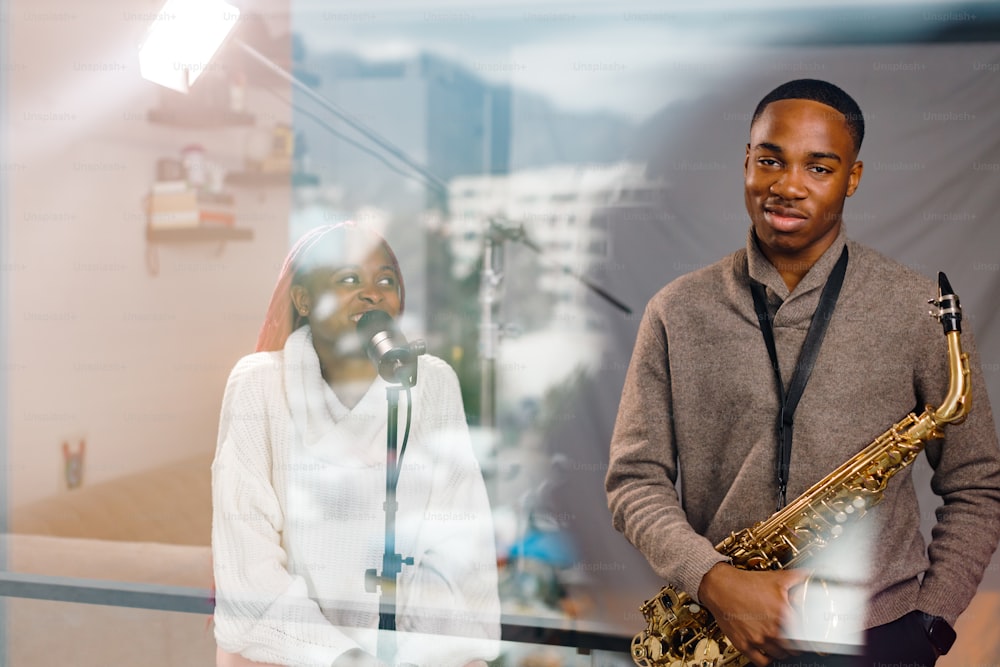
(750,608)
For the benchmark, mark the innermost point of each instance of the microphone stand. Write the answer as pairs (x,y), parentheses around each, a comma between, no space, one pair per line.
(490,283)
(400,374)
(392,561)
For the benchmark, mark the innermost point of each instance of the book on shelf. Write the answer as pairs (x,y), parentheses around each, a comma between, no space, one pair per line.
(173,201)
(170,187)
(173,220)
(174,204)
(173,208)
(215,218)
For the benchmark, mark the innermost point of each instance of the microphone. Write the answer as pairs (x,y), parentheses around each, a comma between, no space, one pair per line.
(394,358)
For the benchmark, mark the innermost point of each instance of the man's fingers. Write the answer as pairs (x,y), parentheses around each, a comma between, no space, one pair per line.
(758,657)
(796,577)
(797,585)
(797,596)
(764,655)
(774,651)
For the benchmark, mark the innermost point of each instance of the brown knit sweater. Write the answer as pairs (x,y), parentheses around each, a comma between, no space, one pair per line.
(700,403)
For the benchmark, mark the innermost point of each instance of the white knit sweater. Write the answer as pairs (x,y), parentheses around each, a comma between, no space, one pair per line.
(298,485)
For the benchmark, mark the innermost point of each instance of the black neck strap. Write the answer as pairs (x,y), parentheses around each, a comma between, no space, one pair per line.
(804,365)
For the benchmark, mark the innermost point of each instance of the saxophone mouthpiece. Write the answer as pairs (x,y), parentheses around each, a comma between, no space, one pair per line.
(944,287)
(949,310)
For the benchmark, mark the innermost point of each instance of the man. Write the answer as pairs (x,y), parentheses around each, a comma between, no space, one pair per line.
(701,403)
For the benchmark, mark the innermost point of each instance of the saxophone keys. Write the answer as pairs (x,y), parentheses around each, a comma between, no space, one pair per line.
(706,652)
(640,654)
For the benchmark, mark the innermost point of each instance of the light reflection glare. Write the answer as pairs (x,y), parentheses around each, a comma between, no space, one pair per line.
(833,602)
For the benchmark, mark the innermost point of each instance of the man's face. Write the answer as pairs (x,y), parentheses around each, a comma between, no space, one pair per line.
(800,165)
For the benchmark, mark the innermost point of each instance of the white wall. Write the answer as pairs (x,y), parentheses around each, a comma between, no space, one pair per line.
(98,347)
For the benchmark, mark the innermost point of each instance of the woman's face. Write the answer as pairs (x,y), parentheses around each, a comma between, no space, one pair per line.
(334,299)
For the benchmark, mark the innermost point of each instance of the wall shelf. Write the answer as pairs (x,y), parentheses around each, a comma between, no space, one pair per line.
(194,234)
(259,178)
(200,118)
(213,234)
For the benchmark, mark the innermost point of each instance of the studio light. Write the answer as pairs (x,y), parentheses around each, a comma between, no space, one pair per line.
(183,39)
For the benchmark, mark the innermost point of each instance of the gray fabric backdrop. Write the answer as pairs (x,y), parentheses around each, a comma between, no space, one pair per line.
(928,198)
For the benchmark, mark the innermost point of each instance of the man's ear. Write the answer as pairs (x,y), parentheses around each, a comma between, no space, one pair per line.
(746,161)
(301,300)
(854,177)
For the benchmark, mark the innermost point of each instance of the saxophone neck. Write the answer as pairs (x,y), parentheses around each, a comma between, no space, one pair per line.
(956,403)
(948,312)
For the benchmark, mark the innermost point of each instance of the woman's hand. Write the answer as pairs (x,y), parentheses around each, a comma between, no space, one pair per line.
(223,659)
(357,658)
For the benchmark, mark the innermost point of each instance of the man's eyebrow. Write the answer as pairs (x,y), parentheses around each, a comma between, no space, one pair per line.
(775,148)
(821,155)
(768,146)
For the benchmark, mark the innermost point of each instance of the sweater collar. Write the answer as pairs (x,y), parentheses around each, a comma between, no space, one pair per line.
(761,269)
(323,423)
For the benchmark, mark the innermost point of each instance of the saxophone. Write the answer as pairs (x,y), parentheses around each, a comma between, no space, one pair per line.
(682,633)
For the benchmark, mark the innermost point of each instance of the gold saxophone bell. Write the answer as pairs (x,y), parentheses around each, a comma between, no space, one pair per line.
(682,633)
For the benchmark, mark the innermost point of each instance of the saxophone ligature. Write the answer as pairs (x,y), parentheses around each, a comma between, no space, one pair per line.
(681,633)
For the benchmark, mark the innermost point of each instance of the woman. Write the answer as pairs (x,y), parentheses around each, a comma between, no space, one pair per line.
(299,483)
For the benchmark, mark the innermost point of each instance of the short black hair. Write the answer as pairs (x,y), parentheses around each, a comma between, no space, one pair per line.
(823,92)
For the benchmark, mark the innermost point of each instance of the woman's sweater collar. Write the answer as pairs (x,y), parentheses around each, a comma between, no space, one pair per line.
(320,419)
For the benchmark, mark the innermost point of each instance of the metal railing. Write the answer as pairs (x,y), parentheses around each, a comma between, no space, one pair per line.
(585,637)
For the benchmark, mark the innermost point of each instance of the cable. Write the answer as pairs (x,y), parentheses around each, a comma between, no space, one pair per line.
(353,142)
(406,431)
(343,115)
